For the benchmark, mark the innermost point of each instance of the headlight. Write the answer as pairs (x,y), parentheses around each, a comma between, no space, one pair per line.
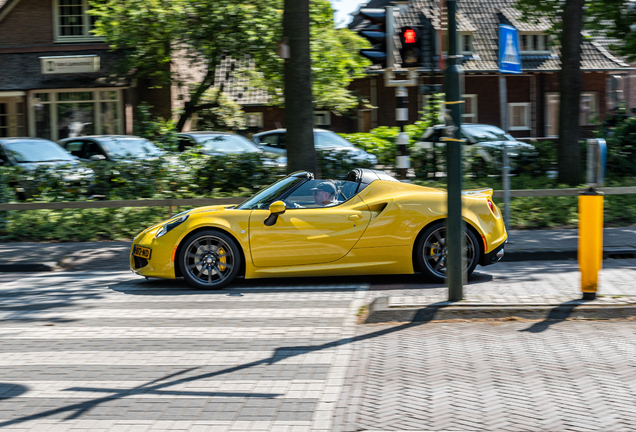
(173,223)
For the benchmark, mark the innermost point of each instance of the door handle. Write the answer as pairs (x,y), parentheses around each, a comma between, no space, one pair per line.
(354,217)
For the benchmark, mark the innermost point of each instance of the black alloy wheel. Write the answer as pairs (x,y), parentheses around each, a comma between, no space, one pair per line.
(431,252)
(209,259)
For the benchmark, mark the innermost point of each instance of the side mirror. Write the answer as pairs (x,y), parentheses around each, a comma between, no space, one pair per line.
(275,209)
(96,158)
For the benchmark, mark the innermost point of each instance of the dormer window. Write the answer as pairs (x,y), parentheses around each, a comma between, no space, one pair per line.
(466,43)
(72,22)
(534,43)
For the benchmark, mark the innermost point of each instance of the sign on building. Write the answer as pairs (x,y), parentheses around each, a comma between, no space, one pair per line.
(509,57)
(69,64)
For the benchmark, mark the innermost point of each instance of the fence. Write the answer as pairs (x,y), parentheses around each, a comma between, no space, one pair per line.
(197,202)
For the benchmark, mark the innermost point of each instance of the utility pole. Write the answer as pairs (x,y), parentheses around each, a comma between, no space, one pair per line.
(454,223)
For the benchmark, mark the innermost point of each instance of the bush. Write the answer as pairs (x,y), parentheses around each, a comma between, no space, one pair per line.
(621,159)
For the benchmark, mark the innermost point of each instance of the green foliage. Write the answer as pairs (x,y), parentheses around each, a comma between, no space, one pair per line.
(223,112)
(335,164)
(156,129)
(612,19)
(621,160)
(159,33)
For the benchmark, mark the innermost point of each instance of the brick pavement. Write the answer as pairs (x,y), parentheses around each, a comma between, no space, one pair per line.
(112,351)
(571,376)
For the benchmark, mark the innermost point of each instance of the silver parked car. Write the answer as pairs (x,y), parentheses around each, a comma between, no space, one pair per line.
(275,141)
(480,138)
(217,143)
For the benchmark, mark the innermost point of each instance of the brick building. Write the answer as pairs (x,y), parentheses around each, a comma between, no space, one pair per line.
(56,76)
(532,97)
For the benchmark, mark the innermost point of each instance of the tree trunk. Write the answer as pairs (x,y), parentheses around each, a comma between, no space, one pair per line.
(301,154)
(570,83)
(191,106)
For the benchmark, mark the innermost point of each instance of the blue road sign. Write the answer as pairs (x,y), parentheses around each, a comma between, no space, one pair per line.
(509,57)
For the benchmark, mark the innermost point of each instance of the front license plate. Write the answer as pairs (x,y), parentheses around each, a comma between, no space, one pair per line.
(142,252)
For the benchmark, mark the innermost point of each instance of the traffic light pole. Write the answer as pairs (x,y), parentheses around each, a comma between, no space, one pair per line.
(402,161)
(454,223)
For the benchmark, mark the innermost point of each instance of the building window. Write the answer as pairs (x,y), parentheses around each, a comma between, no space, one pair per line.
(67,113)
(72,22)
(588,111)
(519,116)
(322,118)
(470,108)
(254,120)
(466,44)
(534,43)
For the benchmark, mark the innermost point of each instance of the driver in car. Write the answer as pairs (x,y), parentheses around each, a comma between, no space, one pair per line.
(325,194)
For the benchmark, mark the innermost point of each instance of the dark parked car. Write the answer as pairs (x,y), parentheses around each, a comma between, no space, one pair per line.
(33,153)
(275,142)
(217,143)
(111,147)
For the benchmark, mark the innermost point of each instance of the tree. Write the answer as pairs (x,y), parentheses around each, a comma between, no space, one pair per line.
(567,23)
(614,18)
(155,34)
(301,153)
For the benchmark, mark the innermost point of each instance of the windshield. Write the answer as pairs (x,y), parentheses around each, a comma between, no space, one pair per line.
(265,197)
(486,133)
(229,144)
(330,140)
(131,147)
(38,151)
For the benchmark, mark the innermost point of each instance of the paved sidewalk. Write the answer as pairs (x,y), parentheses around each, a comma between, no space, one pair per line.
(495,291)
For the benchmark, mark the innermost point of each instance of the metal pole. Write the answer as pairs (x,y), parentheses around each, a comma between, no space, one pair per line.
(390,33)
(402,116)
(503,97)
(454,223)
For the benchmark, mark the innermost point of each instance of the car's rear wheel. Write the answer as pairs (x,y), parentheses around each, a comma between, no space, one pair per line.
(209,259)
(431,252)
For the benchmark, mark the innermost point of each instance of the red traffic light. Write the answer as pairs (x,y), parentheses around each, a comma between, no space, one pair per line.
(409,36)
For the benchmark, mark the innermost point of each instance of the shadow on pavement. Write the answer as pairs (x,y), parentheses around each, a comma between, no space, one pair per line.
(556,315)
(158,386)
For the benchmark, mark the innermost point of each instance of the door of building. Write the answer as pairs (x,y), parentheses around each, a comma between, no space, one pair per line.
(12,122)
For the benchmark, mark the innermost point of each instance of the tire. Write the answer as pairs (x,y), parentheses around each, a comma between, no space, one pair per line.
(209,259)
(430,252)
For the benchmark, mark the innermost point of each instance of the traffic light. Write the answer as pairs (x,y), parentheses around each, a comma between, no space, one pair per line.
(376,34)
(411,54)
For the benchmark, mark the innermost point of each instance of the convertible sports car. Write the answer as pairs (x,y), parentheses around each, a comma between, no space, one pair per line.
(373,225)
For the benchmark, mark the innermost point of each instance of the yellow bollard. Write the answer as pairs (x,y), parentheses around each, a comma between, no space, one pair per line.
(590,252)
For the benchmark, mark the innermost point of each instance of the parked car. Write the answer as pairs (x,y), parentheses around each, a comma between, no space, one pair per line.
(33,153)
(217,143)
(275,141)
(378,226)
(111,147)
(480,138)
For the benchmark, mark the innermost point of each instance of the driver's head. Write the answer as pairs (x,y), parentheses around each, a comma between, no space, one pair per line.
(323,193)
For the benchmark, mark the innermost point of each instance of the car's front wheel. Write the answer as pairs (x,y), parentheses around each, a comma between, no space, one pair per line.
(209,259)
(431,252)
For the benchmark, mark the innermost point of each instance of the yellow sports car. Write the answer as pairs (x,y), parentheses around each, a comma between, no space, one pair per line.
(299,226)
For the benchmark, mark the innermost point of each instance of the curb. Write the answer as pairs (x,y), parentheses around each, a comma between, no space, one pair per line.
(380,312)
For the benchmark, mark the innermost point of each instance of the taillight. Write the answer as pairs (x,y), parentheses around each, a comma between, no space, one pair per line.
(492,206)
